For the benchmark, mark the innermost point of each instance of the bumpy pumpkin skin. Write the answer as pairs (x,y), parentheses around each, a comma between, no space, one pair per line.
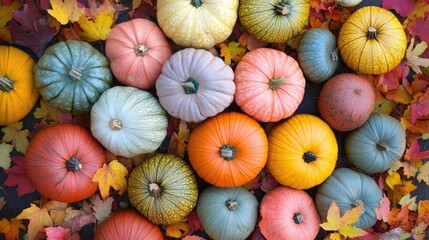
(349,189)
(346,101)
(377,145)
(288,214)
(18,93)
(274,21)
(163,188)
(137,49)
(72,75)
(127,224)
(302,151)
(197,23)
(372,41)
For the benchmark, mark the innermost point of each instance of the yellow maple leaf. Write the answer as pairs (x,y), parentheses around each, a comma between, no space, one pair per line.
(413,56)
(97,28)
(177,230)
(57,211)
(13,133)
(10,228)
(408,201)
(112,175)
(65,11)
(39,218)
(233,51)
(46,112)
(424,173)
(178,141)
(393,179)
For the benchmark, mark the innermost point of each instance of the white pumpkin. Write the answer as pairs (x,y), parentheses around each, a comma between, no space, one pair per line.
(128,121)
(347,3)
(194,85)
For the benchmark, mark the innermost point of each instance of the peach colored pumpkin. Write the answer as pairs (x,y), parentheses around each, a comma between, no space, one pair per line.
(137,49)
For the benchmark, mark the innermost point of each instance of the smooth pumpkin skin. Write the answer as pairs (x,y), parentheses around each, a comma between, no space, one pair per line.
(227,213)
(269,21)
(72,75)
(197,23)
(127,224)
(347,3)
(178,193)
(288,214)
(349,189)
(18,94)
(228,150)
(318,54)
(269,84)
(377,145)
(372,55)
(61,160)
(137,49)
(290,146)
(346,101)
(128,121)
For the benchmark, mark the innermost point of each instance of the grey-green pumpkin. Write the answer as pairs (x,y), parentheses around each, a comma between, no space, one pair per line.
(72,75)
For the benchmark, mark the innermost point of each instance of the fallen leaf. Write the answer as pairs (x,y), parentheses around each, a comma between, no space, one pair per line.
(419,126)
(177,230)
(17,177)
(65,11)
(28,17)
(98,28)
(57,211)
(423,211)
(409,201)
(179,141)
(102,208)
(5,150)
(46,112)
(417,85)
(392,234)
(6,11)
(95,8)
(112,175)
(399,95)
(39,219)
(231,52)
(420,109)
(10,228)
(384,106)
(57,233)
(414,155)
(403,7)
(413,56)
(268,182)
(13,133)
(192,237)
(423,174)
(398,216)
(194,222)
(419,232)
(393,179)
(2,202)
(383,211)
(409,170)
(422,29)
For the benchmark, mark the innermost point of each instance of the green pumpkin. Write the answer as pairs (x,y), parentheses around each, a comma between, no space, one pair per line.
(72,75)
(318,54)
(163,188)
(274,21)
(227,213)
(377,145)
(349,189)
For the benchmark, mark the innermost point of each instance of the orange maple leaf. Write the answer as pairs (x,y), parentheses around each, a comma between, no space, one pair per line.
(177,230)
(39,219)
(10,228)
(179,141)
(112,175)
(423,211)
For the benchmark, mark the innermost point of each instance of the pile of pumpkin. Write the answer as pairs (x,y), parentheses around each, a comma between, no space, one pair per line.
(228,148)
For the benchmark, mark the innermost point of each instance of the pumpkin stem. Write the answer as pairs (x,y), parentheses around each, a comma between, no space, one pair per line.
(298,218)
(358,202)
(190,86)
(334,55)
(372,33)
(141,49)
(6,84)
(196,3)
(275,83)
(381,146)
(231,205)
(73,165)
(282,8)
(228,152)
(154,189)
(309,157)
(358,91)
(75,73)
(115,124)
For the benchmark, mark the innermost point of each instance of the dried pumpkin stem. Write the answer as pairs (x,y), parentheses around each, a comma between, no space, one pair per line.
(334,55)
(190,86)
(73,165)
(154,189)
(231,205)
(228,152)
(309,157)
(141,49)
(275,83)
(6,84)
(196,3)
(358,202)
(115,124)
(282,8)
(75,73)
(358,91)
(298,218)
(381,146)
(372,33)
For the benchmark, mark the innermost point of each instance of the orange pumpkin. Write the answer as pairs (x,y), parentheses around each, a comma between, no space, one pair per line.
(137,49)
(269,84)
(228,150)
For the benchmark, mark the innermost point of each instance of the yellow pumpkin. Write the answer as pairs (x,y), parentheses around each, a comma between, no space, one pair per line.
(372,41)
(18,94)
(197,23)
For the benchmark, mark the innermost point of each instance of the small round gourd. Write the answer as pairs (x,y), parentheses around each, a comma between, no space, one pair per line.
(128,121)
(377,145)
(227,213)
(347,3)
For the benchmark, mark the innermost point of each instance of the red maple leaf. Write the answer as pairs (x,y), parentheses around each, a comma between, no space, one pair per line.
(403,7)
(28,17)
(390,80)
(414,154)
(420,108)
(422,29)
(17,177)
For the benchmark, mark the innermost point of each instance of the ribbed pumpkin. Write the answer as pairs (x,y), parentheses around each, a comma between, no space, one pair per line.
(18,93)
(72,75)
(318,54)
(372,40)
(350,189)
(137,49)
(377,145)
(127,224)
(128,121)
(61,160)
(269,84)
(346,101)
(195,85)
(228,150)
(288,214)
(163,188)
(302,151)
(227,213)
(197,23)
(274,21)
(347,3)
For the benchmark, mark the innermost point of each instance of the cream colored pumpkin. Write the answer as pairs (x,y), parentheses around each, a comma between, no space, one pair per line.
(197,23)
(347,3)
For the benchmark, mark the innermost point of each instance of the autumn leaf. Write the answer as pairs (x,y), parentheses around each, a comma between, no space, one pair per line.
(57,233)
(177,230)
(414,154)
(422,29)
(398,217)
(393,179)
(384,106)
(419,126)
(409,170)
(423,211)
(423,174)
(94,8)
(231,52)
(65,11)
(419,232)
(409,201)
(420,109)
(413,56)
(5,15)
(57,211)
(46,112)
(98,28)
(17,177)
(102,208)
(2,202)
(10,228)
(179,141)
(5,150)
(403,7)
(112,175)
(13,133)
(39,219)
(382,212)
(194,222)
(193,237)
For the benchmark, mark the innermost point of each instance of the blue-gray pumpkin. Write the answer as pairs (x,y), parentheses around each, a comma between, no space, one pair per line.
(377,145)
(350,189)
(318,54)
